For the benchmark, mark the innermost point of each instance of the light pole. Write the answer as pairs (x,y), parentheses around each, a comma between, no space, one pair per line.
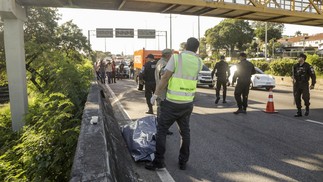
(266,41)
(89,37)
(170,31)
(161,35)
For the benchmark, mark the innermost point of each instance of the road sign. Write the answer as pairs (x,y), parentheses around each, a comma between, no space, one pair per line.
(146,33)
(104,32)
(124,32)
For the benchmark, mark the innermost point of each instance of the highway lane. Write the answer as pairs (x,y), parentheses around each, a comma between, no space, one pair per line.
(247,147)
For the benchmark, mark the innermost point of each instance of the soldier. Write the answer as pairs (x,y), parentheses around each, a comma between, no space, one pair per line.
(150,82)
(302,72)
(222,73)
(244,71)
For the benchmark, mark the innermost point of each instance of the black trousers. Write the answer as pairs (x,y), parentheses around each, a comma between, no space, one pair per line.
(149,91)
(171,112)
(302,91)
(241,93)
(220,83)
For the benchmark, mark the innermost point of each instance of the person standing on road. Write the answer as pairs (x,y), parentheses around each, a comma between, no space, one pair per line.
(150,82)
(302,72)
(222,73)
(131,76)
(244,71)
(109,71)
(166,54)
(180,78)
(102,68)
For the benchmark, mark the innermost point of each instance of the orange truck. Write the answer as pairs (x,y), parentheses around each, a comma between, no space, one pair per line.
(139,60)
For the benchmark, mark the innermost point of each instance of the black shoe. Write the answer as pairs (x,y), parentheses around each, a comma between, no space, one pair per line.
(239,111)
(217,100)
(169,132)
(149,112)
(244,110)
(224,102)
(182,165)
(154,165)
(307,112)
(298,114)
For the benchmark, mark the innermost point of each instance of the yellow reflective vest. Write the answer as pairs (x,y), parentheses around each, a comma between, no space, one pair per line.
(182,85)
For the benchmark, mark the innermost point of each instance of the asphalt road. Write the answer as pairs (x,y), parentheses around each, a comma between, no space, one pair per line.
(256,146)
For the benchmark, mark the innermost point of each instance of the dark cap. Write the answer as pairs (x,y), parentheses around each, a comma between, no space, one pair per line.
(243,54)
(302,55)
(150,56)
(222,57)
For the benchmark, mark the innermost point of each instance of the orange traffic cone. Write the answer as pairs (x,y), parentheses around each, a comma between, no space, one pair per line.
(270,104)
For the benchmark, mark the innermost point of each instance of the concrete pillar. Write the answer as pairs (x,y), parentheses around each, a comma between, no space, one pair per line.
(13,17)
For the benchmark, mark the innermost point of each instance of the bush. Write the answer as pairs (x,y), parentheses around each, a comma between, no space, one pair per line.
(316,62)
(44,149)
(261,64)
(282,67)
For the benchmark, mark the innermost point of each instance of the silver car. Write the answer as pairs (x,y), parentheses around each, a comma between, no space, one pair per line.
(205,77)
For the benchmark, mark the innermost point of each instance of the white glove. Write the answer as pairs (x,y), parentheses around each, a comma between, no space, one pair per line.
(153,99)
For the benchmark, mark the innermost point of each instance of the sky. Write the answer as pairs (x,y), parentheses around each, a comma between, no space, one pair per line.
(183,27)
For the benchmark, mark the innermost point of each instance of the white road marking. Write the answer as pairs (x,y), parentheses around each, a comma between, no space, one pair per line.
(162,173)
(312,121)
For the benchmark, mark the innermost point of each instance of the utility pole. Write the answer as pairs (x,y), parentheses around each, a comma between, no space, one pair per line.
(266,41)
(170,30)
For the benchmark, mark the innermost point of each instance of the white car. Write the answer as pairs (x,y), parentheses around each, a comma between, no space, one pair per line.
(258,80)
(205,77)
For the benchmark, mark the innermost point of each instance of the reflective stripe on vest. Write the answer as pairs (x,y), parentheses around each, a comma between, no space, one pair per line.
(182,84)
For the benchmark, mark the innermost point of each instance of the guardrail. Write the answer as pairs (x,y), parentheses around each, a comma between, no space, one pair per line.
(101,154)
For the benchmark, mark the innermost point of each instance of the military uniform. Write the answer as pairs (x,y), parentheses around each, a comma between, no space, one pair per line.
(150,83)
(222,74)
(301,74)
(244,71)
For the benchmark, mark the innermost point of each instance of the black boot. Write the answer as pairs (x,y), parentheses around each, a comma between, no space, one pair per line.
(299,113)
(217,100)
(307,111)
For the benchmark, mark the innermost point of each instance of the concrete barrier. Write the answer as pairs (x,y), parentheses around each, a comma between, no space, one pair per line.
(101,154)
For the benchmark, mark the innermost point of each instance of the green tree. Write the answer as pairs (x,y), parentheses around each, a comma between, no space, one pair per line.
(298,33)
(229,34)
(202,48)
(43,36)
(274,30)
(58,81)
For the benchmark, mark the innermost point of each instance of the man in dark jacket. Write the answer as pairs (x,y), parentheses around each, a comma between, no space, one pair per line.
(222,73)
(150,82)
(302,72)
(244,71)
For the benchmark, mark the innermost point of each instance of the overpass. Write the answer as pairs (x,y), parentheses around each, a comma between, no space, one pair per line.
(13,14)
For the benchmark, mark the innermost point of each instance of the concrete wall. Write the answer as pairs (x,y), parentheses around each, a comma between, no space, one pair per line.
(101,153)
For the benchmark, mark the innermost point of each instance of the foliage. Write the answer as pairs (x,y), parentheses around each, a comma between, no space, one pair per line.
(282,67)
(202,48)
(46,146)
(261,64)
(274,30)
(59,77)
(316,62)
(229,34)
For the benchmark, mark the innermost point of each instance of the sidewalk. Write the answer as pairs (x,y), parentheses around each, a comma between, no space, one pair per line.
(287,81)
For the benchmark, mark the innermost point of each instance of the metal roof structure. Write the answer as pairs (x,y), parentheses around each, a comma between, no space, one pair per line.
(301,12)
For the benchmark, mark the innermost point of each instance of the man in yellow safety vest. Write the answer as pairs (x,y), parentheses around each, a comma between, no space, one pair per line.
(180,78)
